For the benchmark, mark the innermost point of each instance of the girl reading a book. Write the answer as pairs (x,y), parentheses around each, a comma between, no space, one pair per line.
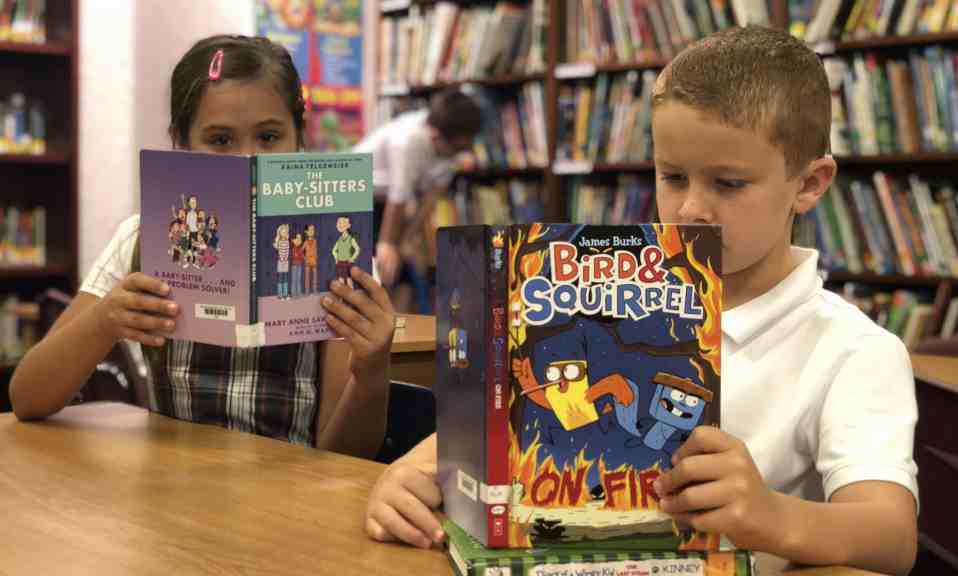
(236,95)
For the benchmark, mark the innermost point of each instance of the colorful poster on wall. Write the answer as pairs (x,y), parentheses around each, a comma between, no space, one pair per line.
(324,38)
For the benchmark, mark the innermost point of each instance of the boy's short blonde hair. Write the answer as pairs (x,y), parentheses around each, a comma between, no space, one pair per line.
(756,78)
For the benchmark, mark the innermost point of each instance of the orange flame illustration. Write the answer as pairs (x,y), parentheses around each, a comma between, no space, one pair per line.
(709,333)
(702,541)
(530,265)
(720,564)
(669,239)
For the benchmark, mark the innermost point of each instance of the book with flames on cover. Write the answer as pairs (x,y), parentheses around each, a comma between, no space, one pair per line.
(250,244)
(572,362)
(470,558)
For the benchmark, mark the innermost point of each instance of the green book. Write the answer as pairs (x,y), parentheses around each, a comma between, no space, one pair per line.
(470,558)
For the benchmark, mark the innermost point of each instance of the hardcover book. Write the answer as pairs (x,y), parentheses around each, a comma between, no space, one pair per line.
(470,558)
(250,244)
(574,361)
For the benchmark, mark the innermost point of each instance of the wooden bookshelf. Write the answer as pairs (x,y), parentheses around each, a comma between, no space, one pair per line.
(49,74)
(424,90)
(54,159)
(560,73)
(494,172)
(880,160)
(48,48)
(888,280)
(580,70)
(909,41)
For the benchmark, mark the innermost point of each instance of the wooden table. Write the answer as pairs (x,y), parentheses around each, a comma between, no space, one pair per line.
(112,489)
(414,350)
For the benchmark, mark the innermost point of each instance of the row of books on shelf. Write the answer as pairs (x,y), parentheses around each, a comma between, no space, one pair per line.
(513,132)
(888,226)
(18,327)
(447,42)
(24,126)
(23,21)
(630,199)
(628,31)
(608,120)
(22,236)
(830,20)
(501,202)
(906,106)
(908,314)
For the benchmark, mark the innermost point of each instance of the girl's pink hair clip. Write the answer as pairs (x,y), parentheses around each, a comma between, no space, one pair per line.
(216,65)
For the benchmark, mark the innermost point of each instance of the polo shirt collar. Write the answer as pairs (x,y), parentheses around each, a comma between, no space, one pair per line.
(760,313)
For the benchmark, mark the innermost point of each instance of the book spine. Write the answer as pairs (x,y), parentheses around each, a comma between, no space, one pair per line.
(253,300)
(496,495)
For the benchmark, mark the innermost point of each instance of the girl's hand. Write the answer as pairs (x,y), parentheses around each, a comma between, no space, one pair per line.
(714,486)
(366,320)
(139,309)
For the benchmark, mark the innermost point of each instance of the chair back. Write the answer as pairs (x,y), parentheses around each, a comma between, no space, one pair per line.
(410,418)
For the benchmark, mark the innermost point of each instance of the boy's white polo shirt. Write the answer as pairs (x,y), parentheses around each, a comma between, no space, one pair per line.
(822,396)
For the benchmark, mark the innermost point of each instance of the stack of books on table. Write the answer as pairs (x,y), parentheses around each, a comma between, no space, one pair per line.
(576,360)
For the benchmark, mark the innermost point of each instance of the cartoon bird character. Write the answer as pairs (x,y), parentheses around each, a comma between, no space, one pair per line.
(566,391)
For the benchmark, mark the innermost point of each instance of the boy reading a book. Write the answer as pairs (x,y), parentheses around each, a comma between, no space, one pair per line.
(814,459)
(232,95)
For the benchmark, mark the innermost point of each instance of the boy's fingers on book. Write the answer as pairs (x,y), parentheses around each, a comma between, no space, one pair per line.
(705,440)
(393,525)
(418,514)
(696,497)
(712,521)
(693,469)
(376,531)
(426,491)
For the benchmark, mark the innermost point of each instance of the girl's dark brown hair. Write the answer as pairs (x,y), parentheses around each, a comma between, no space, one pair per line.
(244,58)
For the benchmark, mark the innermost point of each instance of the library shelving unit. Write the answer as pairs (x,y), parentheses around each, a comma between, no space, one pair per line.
(46,73)
(561,71)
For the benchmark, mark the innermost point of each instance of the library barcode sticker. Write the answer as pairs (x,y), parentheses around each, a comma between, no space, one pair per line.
(214,312)
(468,485)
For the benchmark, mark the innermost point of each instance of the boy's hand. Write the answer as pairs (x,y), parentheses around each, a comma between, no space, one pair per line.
(366,320)
(401,504)
(714,486)
(138,309)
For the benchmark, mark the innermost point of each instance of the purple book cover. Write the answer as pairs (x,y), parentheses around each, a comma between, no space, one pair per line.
(250,244)
(194,235)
